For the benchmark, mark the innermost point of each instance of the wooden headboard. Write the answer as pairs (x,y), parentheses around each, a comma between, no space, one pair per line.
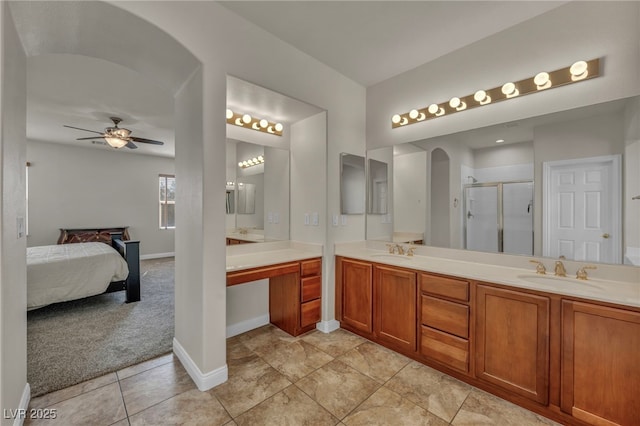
(87,235)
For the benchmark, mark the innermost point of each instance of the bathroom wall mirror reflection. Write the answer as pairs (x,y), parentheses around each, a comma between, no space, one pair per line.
(377,187)
(352,184)
(561,184)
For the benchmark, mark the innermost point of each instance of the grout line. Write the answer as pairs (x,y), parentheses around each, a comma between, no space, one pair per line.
(124,404)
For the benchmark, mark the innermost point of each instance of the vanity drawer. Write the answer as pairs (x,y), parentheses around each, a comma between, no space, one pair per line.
(311,267)
(450,288)
(446,316)
(310,313)
(311,287)
(449,350)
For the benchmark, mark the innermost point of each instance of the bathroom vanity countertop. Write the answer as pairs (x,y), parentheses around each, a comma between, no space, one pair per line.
(247,256)
(595,288)
(254,238)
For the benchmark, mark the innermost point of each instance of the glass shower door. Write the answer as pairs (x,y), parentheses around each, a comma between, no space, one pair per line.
(481,218)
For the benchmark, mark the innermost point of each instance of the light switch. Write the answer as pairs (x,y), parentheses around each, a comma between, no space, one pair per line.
(306,218)
(270,217)
(276,217)
(334,220)
(315,219)
(344,220)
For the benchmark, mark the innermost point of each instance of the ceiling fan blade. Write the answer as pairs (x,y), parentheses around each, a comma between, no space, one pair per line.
(131,145)
(90,138)
(78,128)
(143,140)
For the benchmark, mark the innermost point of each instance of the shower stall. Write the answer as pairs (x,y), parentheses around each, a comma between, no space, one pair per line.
(498,217)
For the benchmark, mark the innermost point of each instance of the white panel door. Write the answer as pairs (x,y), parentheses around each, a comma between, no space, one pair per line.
(582,210)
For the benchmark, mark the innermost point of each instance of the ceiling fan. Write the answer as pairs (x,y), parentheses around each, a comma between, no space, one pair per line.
(116,137)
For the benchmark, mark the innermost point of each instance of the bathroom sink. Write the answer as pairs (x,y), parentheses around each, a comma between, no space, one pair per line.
(390,257)
(557,283)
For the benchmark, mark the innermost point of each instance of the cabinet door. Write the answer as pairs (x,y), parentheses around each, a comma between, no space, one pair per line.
(396,305)
(512,341)
(600,364)
(357,295)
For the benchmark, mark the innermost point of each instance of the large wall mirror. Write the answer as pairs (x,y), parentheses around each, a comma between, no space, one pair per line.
(562,184)
(352,184)
(260,193)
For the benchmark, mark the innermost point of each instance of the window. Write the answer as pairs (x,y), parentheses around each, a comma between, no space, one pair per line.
(167,185)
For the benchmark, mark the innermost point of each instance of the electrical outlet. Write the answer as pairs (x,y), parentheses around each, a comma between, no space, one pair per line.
(269,217)
(276,217)
(315,219)
(334,220)
(20,227)
(344,220)
(306,219)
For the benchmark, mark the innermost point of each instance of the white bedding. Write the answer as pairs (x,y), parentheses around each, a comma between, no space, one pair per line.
(64,272)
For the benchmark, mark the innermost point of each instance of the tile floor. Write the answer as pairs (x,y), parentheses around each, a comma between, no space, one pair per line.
(275,379)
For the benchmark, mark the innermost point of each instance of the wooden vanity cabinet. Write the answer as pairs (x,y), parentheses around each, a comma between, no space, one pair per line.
(600,364)
(310,292)
(444,321)
(395,307)
(512,341)
(355,301)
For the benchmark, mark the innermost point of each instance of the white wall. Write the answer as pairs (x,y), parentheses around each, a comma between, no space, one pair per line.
(577,30)
(78,187)
(13,280)
(276,194)
(440,211)
(410,192)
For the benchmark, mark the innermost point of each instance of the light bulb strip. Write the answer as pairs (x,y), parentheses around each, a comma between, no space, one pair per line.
(251,162)
(557,78)
(254,123)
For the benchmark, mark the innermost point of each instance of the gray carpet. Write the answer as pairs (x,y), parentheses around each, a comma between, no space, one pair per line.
(70,342)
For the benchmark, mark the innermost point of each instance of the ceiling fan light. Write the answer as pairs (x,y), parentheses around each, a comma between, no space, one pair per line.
(115,142)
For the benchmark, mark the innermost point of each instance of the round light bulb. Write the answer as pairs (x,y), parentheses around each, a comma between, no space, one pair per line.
(578,68)
(240,164)
(454,102)
(508,88)
(480,96)
(279,127)
(433,108)
(260,158)
(396,119)
(264,123)
(541,78)
(246,119)
(413,114)
(245,163)
(229,114)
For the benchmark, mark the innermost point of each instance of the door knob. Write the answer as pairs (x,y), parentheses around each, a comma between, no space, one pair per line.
(605,235)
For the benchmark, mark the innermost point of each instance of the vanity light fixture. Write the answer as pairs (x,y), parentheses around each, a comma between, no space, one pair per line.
(578,71)
(251,162)
(249,122)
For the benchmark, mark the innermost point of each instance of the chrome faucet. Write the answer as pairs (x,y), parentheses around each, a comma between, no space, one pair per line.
(400,249)
(582,273)
(540,269)
(559,269)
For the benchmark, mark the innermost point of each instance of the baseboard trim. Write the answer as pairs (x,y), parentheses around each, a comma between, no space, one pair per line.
(246,325)
(24,405)
(328,326)
(204,381)
(157,255)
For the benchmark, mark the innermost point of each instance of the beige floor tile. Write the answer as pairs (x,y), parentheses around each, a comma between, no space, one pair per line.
(481,408)
(289,407)
(189,408)
(75,390)
(249,384)
(236,350)
(296,359)
(338,387)
(102,406)
(153,386)
(263,339)
(146,365)
(335,343)
(432,390)
(375,361)
(388,408)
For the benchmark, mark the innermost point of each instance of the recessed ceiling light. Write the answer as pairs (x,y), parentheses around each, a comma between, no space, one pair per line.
(500,141)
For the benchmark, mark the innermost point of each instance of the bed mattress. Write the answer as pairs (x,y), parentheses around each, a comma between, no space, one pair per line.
(59,273)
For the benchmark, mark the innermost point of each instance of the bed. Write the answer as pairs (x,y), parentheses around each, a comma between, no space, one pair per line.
(63,272)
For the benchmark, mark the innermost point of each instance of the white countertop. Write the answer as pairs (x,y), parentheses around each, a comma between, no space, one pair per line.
(247,256)
(252,237)
(520,274)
